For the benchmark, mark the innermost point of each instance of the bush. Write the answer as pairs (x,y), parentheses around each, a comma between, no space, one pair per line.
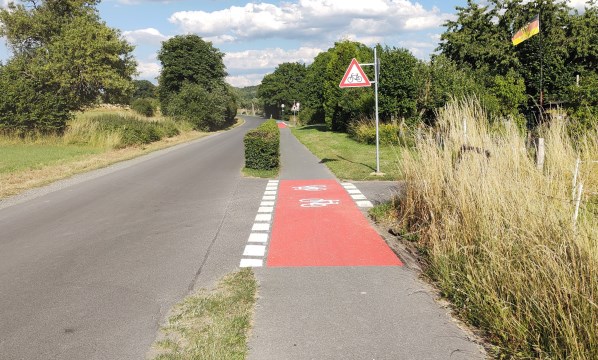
(119,131)
(144,106)
(30,105)
(262,146)
(207,111)
(364,131)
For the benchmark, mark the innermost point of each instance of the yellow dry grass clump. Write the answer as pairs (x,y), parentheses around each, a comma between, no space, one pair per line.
(499,235)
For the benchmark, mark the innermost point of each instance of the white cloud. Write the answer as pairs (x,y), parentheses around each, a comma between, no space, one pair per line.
(145,36)
(268,58)
(148,70)
(577,4)
(245,80)
(221,39)
(310,19)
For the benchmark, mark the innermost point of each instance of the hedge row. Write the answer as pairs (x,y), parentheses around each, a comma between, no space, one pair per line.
(262,146)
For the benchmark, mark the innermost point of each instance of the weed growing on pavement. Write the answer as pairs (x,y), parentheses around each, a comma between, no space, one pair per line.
(212,324)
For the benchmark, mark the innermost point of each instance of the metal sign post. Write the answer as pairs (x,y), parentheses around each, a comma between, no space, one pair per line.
(355,77)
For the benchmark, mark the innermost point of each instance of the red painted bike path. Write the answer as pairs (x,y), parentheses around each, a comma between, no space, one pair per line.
(316,223)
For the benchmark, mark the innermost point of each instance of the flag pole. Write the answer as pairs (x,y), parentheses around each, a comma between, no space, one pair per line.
(541,67)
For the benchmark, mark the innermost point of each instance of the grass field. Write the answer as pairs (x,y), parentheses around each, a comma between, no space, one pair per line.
(19,157)
(39,160)
(346,158)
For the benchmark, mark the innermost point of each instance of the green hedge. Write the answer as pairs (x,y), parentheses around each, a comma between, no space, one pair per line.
(262,147)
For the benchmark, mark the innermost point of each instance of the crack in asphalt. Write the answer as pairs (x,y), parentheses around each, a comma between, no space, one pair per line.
(216,235)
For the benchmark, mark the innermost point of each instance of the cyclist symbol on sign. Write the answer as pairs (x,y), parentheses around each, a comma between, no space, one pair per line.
(315,203)
(354,77)
(310,188)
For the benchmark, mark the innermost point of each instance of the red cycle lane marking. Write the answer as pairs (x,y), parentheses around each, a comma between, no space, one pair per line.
(316,223)
(281,125)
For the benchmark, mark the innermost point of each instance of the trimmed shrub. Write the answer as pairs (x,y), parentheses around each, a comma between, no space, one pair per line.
(143,106)
(262,146)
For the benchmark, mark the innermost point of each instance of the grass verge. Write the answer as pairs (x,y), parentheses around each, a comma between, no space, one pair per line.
(212,324)
(37,161)
(345,157)
(264,174)
(43,173)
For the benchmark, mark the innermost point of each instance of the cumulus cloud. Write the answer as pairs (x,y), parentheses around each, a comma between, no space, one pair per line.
(245,80)
(148,70)
(145,36)
(268,58)
(310,18)
(578,4)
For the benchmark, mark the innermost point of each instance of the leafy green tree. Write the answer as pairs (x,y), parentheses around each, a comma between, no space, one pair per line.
(189,59)
(67,43)
(283,86)
(480,39)
(206,110)
(312,107)
(341,106)
(143,89)
(399,83)
(63,49)
(475,40)
(28,104)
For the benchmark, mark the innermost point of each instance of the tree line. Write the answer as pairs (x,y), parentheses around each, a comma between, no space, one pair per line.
(65,58)
(475,58)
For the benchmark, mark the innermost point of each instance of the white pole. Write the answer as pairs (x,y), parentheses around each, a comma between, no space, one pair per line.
(577,202)
(575,178)
(377,127)
(540,154)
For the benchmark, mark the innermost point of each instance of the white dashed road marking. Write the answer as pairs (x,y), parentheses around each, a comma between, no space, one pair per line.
(253,255)
(359,198)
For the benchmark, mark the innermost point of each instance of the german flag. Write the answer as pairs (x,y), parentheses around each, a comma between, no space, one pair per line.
(526,32)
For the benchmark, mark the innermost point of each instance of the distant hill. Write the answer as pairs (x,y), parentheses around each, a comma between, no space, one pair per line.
(247,97)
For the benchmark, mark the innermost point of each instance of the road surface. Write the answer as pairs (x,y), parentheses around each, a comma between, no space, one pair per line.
(90,270)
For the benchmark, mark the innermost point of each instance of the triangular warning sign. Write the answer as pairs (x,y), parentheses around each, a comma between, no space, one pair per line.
(354,76)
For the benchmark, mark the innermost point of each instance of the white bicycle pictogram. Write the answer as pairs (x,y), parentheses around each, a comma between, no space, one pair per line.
(310,188)
(316,203)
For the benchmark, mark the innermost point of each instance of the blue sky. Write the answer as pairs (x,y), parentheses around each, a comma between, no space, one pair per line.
(256,36)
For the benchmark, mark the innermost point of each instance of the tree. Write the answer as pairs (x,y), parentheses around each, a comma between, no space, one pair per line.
(143,89)
(206,110)
(67,42)
(64,49)
(189,59)
(567,45)
(283,86)
(398,83)
(312,107)
(341,106)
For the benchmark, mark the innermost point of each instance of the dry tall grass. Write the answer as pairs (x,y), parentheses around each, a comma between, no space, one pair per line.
(499,233)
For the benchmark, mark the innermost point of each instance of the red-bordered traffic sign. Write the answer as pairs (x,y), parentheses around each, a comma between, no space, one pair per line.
(354,76)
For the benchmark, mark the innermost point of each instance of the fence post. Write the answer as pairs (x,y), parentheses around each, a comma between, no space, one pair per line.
(577,203)
(575,174)
(540,152)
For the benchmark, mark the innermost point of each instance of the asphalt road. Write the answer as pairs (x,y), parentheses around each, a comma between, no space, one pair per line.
(90,269)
